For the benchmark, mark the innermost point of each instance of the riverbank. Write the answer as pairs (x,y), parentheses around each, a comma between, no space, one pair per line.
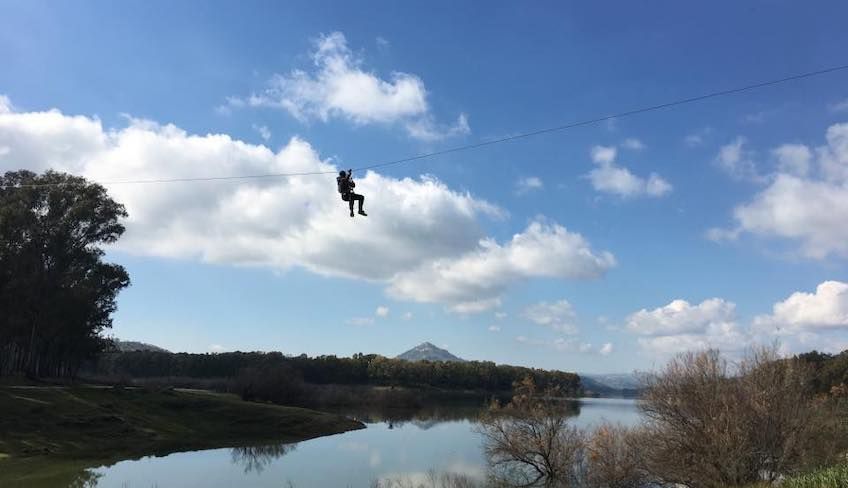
(80,424)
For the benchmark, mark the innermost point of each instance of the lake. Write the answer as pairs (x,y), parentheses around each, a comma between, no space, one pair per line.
(398,446)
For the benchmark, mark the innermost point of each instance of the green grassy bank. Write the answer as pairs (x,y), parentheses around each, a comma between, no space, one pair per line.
(46,429)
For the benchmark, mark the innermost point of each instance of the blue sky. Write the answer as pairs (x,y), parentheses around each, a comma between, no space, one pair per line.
(601,249)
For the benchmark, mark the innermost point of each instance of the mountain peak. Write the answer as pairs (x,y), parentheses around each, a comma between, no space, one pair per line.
(427,351)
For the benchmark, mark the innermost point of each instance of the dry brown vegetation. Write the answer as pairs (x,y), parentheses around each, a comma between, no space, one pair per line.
(709,423)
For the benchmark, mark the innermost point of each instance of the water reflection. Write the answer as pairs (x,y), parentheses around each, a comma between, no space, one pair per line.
(430,416)
(254,459)
(433,446)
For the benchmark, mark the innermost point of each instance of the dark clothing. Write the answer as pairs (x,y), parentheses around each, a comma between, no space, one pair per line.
(345,186)
(351,197)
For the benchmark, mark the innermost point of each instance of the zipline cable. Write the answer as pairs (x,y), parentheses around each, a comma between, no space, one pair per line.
(468,147)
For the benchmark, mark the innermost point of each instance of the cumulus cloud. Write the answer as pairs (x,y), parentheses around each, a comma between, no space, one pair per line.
(407,316)
(528,184)
(427,244)
(558,316)
(805,201)
(633,143)
(793,159)
(738,161)
(382,311)
(494,328)
(263,131)
(808,321)
(802,322)
(680,326)
(825,309)
(474,281)
(608,177)
(606,349)
(338,86)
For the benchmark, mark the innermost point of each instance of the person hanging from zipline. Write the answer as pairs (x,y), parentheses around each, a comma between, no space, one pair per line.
(345,186)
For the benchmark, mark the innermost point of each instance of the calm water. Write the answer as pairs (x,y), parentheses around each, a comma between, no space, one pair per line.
(395,447)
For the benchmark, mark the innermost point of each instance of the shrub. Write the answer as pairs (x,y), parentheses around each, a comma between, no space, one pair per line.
(278,384)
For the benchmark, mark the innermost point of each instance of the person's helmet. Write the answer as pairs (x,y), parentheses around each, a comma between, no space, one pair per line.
(342,174)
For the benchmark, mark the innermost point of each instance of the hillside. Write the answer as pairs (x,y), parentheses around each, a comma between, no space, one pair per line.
(428,352)
(127,346)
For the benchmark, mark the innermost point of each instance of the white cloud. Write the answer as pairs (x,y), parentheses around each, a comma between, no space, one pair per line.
(382,311)
(793,159)
(558,316)
(611,178)
(679,327)
(633,143)
(840,106)
(475,306)
(283,223)
(528,184)
(339,87)
(382,43)
(407,316)
(697,138)
(5,105)
(606,349)
(500,315)
(263,131)
(494,328)
(604,154)
(809,209)
(474,281)
(826,309)
(679,317)
(216,348)
(737,161)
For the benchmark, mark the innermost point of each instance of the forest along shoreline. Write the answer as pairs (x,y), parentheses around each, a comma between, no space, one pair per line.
(46,427)
(126,405)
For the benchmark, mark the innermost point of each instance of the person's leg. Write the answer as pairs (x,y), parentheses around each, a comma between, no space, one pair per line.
(349,200)
(361,199)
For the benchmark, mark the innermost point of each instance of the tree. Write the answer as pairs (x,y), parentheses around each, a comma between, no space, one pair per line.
(710,425)
(56,293)
(530,442)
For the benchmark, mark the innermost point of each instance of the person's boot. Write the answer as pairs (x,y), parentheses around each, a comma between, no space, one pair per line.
(361,212)
(351,212)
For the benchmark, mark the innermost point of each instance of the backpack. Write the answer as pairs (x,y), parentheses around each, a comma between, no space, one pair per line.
(343,185)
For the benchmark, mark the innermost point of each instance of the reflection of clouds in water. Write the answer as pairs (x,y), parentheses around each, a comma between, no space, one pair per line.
(254,459)
(375,459)
(352,446)
(457,473)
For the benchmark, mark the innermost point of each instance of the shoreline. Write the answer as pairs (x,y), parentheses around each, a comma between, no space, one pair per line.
(78,427)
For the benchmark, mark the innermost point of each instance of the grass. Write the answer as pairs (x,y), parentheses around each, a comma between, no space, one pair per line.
(833,477)
(45,429)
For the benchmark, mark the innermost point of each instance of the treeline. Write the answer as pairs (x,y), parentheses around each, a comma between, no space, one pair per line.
(361,369)
(56,293)
(829,371)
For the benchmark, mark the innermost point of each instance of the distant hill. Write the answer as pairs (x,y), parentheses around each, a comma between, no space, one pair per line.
(616,381)
(606,385)
(428,352)
(129,346)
